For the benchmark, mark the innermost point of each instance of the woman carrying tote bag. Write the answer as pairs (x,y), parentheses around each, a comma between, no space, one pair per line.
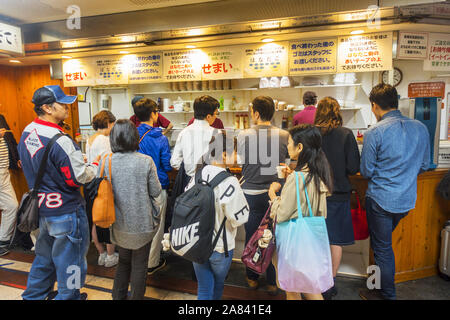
(302,258)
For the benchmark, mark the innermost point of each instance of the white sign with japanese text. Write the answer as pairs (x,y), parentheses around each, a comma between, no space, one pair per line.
(266,60)
(223,63)
(10,39)
(438,56)
(183,65)
(312,56)
(412,45)
(365,53)
(111,70)
(143,68)
(79,72)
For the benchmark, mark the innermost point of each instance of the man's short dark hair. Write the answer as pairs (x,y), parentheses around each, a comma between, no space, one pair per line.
(385,96)
(205,105)
(124,136)
(144,108)
(265,107)
(102,119)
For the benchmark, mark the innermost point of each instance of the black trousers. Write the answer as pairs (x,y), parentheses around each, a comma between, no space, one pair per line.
(258,207)
(132,269)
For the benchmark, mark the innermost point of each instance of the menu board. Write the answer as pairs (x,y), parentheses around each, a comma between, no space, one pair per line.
(267,60)
(412,45)
(79,72)
(222,63)
(365,53)
(144,68)
(312,56)
(438,57)
(182,65)
(111,70)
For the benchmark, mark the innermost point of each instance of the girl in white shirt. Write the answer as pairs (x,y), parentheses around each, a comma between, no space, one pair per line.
(98,144)
(230,203)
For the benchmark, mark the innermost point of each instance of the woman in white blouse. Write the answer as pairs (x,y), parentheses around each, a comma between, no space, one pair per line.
(98,145)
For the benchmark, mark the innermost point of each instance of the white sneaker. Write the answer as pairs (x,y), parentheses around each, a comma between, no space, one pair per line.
(101,259)
(112,260)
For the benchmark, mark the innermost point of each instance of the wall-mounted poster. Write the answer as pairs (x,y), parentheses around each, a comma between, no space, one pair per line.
(365,53)
(438,57)
(222,63)
(412,45)
(183,65)
(111,70)
(79,72)
(266,60)
(312,56)
(143,68)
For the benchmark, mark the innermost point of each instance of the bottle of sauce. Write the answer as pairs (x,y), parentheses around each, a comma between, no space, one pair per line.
(241,122)
(236,121)
(246,125)
(284,123)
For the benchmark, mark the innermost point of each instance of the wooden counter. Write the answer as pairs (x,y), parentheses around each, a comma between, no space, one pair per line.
(416,240)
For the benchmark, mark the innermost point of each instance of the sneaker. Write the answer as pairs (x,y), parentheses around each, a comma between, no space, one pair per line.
(4,243)
(273,290)
(101,259)
(162,264)
(367,294)
(253,284)
(330,293)
(83,296)
(3,251)
(112,260)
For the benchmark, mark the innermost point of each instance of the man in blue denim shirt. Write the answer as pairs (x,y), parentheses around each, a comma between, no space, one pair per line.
(395,151)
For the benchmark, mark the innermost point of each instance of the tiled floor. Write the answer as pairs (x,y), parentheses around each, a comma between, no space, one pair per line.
(97,288)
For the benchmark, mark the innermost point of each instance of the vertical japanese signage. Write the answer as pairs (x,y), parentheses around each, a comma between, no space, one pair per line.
(412,45)
(312,56)
(144,67)
(111,70)
(365,53)
(438,57)
(183,65)
(268,60)
(222,63)
(10,39)
(79,72)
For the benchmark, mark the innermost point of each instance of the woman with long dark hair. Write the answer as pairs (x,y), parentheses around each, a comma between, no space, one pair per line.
(340,147)
(305,147)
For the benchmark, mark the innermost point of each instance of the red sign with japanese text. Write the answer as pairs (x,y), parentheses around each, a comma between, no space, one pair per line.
(426,90)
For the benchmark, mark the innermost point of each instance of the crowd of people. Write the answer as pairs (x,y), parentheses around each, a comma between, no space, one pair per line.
(318,149)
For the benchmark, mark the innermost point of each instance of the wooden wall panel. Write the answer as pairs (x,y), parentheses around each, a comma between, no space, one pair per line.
(17,87)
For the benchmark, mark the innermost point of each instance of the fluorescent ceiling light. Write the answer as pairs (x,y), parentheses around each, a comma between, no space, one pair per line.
(124,52)
(190,46)
(267,40)
(15,61)
(357,32)
(66,57)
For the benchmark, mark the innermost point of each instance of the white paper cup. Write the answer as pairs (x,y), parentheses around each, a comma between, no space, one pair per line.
(281,172)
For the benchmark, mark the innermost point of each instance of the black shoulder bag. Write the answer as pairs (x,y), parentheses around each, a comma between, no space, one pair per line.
(28,213)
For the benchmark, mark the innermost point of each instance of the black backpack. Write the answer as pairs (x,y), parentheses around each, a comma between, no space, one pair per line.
(194,215)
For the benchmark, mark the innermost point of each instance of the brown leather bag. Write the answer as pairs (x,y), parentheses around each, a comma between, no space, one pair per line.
(103,211)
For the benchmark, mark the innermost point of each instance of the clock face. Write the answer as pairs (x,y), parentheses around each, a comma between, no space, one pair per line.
(398,76)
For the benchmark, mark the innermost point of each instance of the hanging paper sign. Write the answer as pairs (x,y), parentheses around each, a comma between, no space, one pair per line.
(412,45)
(365,53)
(184,65)
(79,72)
(111,70)
(144,68)
(222,63)
(10,39)
(438,57)
(312,56)
(267,60)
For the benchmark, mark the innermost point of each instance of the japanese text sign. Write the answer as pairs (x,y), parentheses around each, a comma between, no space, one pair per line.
(144,68)
(426,90)
(438,57)
(312,56)
(412,45)
(10,39)
(365,53)
(222,63)
(79,72)
(111,70)
(268,60)
(183,65)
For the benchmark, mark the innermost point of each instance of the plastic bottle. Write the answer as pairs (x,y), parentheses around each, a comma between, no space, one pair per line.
(233,103)
(284,123)
(236,121)
(221,101)
(246,125)
(241,122)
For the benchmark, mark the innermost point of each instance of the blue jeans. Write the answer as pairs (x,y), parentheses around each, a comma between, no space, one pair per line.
(61,250)
(211,275)
(381,225)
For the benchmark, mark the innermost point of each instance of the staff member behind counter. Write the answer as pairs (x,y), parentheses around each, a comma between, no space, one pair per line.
(161,122)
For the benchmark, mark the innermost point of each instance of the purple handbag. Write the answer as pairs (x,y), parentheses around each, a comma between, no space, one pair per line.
(255,258)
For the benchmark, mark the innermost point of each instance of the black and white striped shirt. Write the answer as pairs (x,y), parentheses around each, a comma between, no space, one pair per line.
(4,155)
